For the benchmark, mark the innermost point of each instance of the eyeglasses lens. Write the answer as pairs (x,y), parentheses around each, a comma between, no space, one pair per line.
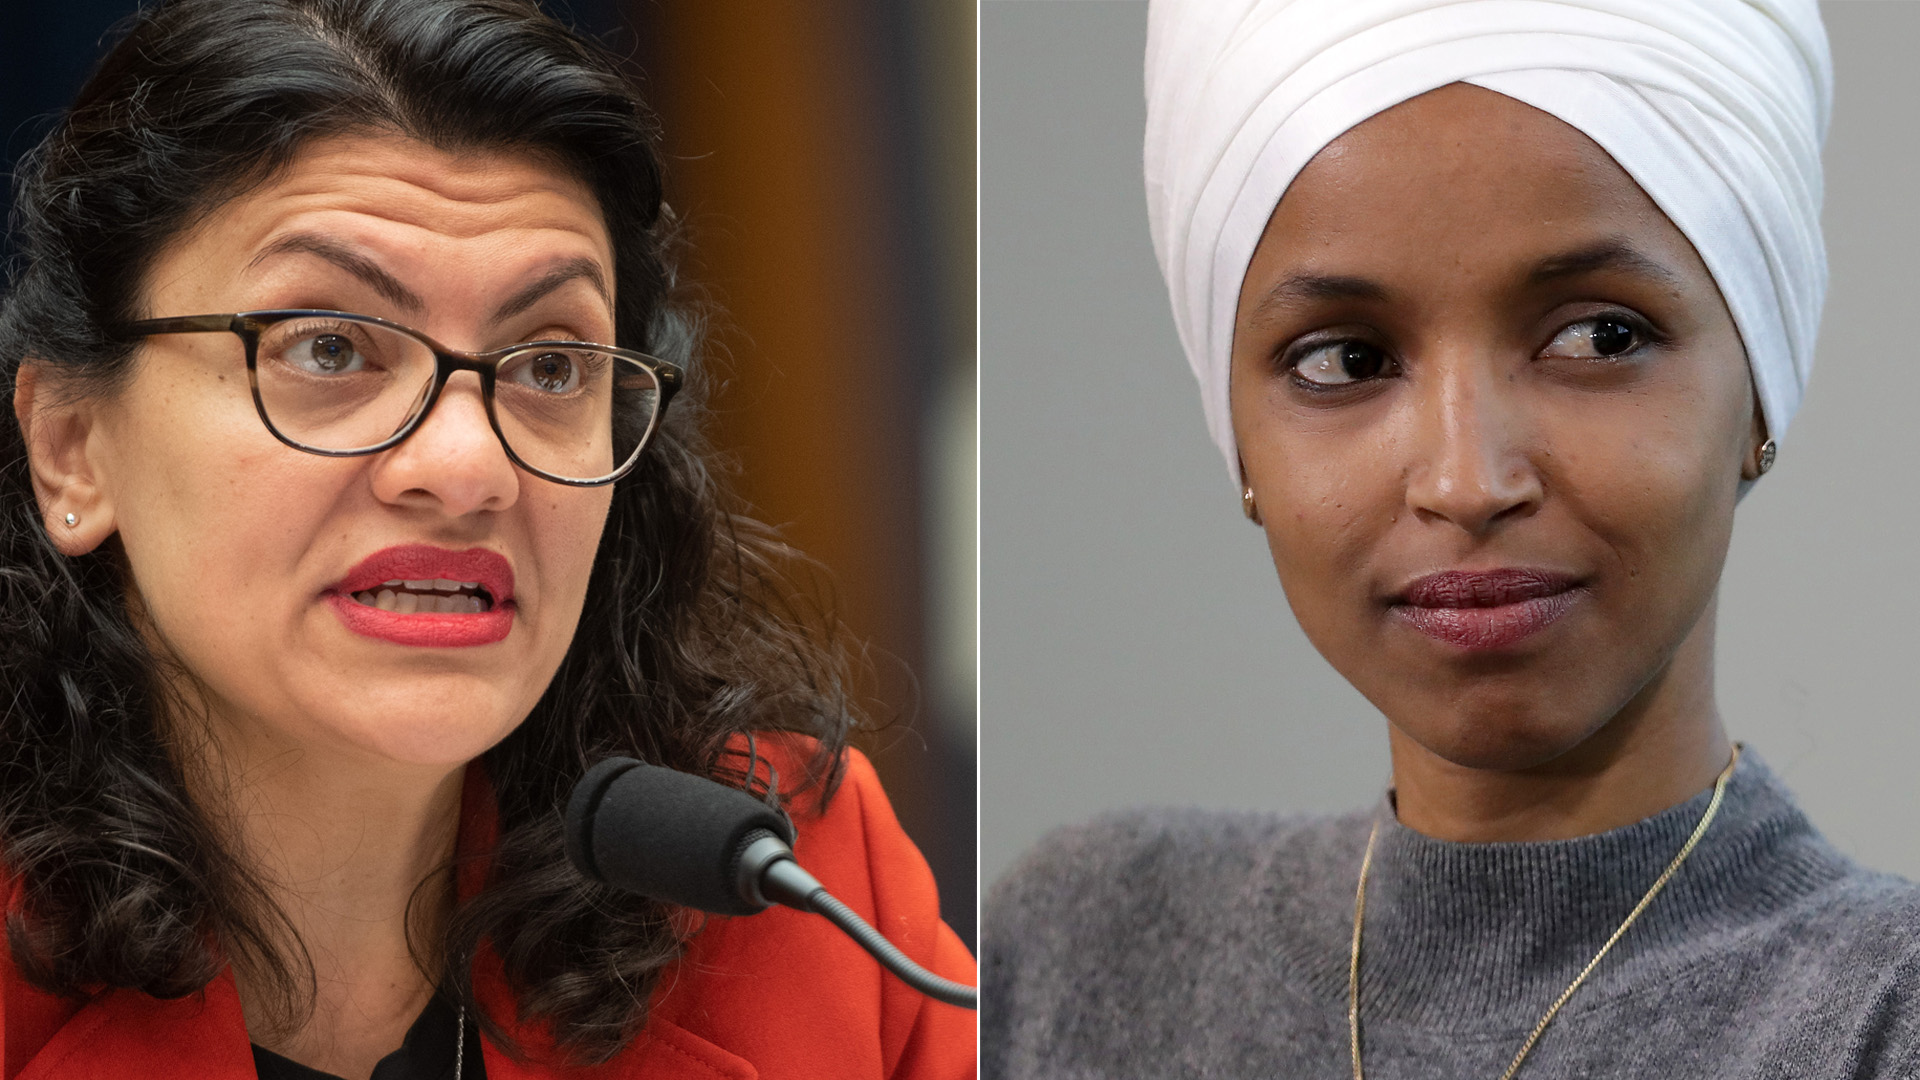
(575,413)
(342,385)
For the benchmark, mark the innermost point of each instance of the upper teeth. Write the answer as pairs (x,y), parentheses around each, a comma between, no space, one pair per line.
(428,596)
(436,584)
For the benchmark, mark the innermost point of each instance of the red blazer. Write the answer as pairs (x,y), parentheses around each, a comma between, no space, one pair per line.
(779,994)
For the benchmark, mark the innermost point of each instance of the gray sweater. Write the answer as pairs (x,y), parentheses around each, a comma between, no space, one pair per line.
(1187,943)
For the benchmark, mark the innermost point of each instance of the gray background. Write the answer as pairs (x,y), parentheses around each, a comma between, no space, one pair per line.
(1136,647)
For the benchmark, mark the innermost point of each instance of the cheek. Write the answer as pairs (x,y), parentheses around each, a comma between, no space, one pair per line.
(566,525)
(1656,485)
(1661,462)
(1328,490)
(1321,516)
(207,504)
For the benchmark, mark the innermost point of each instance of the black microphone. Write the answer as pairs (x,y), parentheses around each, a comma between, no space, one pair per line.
(688,840)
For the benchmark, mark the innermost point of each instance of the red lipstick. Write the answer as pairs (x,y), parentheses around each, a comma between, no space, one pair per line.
(1486,609)
(416,576)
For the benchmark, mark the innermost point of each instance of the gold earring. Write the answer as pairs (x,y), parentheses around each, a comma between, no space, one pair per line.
(1248,506)
(1768,451)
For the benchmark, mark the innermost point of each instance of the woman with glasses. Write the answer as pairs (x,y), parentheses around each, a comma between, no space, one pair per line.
(1497,307)
(350,516)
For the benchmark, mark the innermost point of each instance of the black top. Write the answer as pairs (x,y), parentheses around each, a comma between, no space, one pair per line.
(427,1053)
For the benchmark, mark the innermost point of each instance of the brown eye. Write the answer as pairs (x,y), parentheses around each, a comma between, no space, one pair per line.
(552,372)
(326,354)
(1610,338)
(1596,339)
(1338,363)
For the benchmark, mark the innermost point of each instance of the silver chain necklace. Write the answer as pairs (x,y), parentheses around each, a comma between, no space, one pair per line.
(460,1045)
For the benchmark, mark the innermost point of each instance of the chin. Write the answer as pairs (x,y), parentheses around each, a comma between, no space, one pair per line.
(436,739)
(1506,736)
(428,724)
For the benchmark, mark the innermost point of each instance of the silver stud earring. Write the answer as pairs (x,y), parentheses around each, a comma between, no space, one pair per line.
(1247,505)
(1768,451)
(72,520)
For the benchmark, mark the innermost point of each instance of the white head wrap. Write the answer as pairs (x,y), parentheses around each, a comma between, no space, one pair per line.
(1717,108)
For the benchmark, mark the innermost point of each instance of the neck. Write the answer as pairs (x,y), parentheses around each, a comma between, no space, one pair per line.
(1663,748)
(356,853)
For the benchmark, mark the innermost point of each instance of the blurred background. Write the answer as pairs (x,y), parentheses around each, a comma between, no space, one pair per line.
(822,152)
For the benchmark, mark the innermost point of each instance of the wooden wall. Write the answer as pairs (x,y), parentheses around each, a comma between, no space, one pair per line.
(822,153)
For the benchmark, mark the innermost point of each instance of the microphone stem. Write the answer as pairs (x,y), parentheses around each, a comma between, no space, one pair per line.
(891,957)
(787,883)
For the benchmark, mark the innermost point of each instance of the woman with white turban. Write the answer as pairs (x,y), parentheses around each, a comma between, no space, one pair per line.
(1497,307)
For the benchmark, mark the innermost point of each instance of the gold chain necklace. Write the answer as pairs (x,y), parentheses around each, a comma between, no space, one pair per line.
(1360,914)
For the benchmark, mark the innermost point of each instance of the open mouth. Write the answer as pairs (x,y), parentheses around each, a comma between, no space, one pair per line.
(431,597)
(437,596)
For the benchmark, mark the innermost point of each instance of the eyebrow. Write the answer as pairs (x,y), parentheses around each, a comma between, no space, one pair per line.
(1299,288)
(390,288)
(347,259)
(579,268)
(1612,254)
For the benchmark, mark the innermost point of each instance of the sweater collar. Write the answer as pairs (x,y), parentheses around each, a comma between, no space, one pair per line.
(1457,931)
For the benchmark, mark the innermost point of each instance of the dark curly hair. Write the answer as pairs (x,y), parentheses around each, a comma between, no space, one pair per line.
(695,641)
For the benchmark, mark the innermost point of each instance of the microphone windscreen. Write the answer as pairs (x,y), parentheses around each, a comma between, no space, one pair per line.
(665,834)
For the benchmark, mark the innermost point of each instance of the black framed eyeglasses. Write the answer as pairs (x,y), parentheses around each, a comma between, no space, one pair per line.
(343,385)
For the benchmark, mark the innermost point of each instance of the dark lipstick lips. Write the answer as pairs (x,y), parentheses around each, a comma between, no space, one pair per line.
(1488,609)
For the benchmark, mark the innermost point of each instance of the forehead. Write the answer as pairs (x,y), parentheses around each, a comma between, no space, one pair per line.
(1463,178)
(475,219)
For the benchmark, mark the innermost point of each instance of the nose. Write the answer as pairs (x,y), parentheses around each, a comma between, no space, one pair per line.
(1473,464)
(453,460)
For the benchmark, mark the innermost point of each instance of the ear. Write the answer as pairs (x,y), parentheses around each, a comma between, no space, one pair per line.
(61,454)
(1247,504)
(1751,466)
